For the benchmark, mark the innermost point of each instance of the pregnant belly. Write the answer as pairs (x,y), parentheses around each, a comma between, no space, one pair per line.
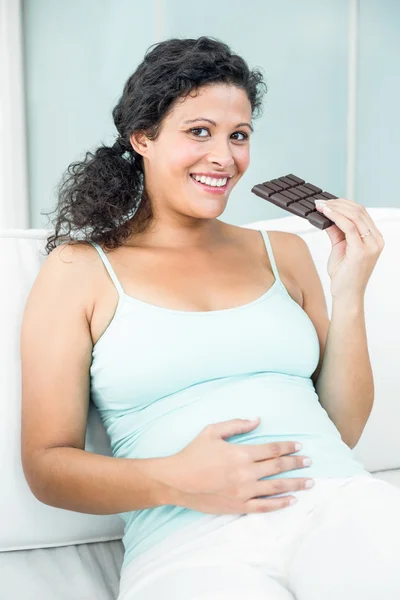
(288,407)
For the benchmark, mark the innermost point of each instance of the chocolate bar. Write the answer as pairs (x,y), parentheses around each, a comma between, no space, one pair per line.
(297,197)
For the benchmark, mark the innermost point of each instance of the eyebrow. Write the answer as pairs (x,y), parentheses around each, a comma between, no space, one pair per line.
(214,123)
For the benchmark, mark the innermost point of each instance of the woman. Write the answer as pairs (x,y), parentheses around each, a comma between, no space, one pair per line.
(182,327)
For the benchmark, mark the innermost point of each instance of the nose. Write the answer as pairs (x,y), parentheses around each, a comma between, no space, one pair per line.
(221,154)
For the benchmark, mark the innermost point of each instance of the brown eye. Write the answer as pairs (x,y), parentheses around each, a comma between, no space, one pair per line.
(241,133)
(245,135)
(198,129)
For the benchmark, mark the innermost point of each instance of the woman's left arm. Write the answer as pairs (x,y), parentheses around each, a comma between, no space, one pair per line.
(343,380)
(345,384)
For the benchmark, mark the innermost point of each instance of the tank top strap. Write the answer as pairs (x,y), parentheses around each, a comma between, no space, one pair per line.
(271,257)
(110,270)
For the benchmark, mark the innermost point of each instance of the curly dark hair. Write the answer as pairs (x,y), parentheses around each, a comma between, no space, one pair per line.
(98,196)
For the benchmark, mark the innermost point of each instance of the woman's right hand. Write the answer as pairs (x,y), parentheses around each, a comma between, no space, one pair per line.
(213,476)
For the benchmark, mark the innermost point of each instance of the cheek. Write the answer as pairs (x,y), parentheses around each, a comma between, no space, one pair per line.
(242,157)
(185,157)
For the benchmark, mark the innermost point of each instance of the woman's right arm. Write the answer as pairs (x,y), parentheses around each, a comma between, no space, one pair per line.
(56,348)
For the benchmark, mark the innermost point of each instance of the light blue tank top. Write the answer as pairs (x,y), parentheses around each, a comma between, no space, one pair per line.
(159,376)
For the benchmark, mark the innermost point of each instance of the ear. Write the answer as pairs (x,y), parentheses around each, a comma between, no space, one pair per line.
(140,143)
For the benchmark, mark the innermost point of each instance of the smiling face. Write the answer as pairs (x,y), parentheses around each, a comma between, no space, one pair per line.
(214,143)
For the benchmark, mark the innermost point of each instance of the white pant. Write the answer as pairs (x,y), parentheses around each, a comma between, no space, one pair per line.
(340,541)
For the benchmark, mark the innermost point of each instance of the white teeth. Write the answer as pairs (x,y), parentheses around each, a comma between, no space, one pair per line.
(211,180)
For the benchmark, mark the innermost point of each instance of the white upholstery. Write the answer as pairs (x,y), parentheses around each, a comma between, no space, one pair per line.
(32,524)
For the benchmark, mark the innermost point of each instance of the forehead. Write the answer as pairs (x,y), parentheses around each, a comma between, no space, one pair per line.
(222,103)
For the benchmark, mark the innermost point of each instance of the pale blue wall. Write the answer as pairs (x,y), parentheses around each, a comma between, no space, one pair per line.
(378,139)
(79,54)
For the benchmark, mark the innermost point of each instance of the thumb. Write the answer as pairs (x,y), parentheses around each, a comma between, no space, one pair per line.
(226,429)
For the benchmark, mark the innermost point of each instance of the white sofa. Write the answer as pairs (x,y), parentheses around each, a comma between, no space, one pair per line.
(48,553)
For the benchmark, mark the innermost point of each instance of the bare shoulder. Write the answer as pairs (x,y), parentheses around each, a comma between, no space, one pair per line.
(285,245)
(73,252)
(71,258)
(69,271)
(291,251)
(285,241)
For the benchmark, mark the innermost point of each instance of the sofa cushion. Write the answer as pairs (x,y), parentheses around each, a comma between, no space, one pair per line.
(30,523)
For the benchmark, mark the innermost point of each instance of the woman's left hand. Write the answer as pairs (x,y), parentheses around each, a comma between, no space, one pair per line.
(352,258)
